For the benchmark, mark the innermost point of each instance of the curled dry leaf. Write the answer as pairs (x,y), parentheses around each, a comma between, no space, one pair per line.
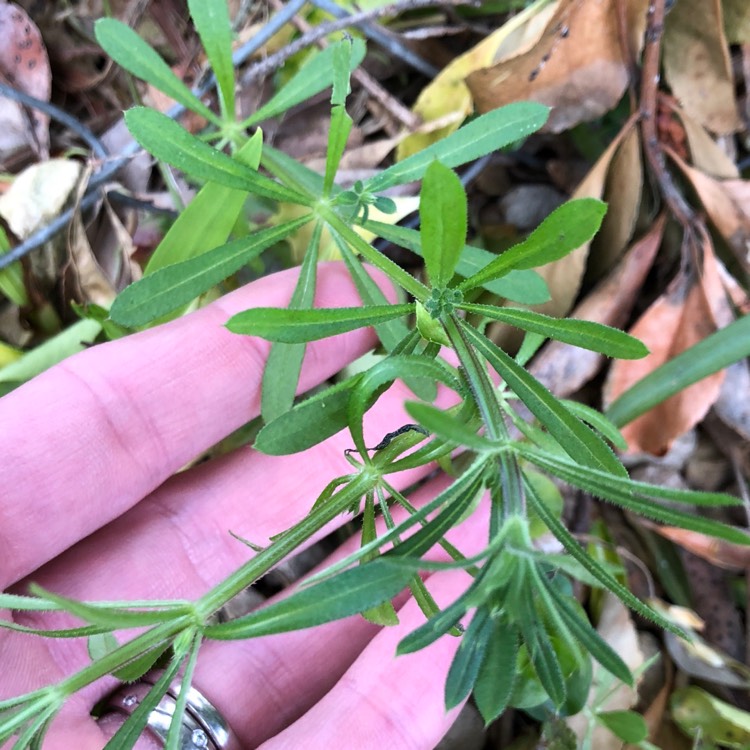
(446,101)
(705,153)
(685,314)
(24,65)
(37,195)
(578,67)
(697,65)
(564,368)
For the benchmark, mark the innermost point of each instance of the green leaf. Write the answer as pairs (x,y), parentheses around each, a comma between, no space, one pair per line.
(133,54)
(166,140)
(627,725)
(430,329)
(342,53)
(315,75)
(598,421)
(578,441)
(143,663)
(449,428)
(434,628)
(584,333)
(208,219)
(100,645)
(176,285)
(211,19)
(443,213)
(497,675)
(341,596)
(341,125)
(296,326)
(284,364)
(591,641)
(714,353)
(543,658)
(468,659)
(564,230)
(292,173)
(481,136)
(527,287)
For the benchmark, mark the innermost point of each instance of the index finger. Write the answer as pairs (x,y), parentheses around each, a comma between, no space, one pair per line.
(88,439)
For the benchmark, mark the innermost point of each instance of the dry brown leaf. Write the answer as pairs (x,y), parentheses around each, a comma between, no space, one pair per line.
(705,153)
(684,315)
(727,203)
(577,67)
(717,551)
(623,196)
(564,368)
(697,65)
(24,65)
(737,21)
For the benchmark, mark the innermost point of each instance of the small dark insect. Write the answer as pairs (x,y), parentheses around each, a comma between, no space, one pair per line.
(386,441)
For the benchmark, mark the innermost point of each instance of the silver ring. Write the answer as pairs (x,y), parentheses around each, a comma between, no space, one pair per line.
(203,727)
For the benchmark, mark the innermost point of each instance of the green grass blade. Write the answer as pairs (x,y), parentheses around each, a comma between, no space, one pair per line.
(168,141)
(481,136)
(580,442)
(174,286)
(211,19)
(583,333)
(565,229)
(714,353)
(297,326)
(133,54)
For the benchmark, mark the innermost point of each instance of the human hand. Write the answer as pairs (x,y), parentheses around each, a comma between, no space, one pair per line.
(91,508)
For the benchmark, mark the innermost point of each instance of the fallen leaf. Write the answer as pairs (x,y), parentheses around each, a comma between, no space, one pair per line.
(447,98)
(684,315)
(717,551)
(697,65)
(25,66)
(577,66)
(705,153)
(700,714)
(564,368)
(37,195)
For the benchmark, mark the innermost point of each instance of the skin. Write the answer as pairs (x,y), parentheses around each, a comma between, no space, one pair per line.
(91,508)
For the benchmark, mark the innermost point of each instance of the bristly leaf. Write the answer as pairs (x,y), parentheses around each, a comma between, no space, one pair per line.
(297,326)
(564,230)
(342,54)
(211,19)
(497,675)
(341,125)
(469,656)
(576,439)
(449,428)
(481,136)
(343,595)
(133,54)
(443,213)
(166,140)
(174,286)
(315,75)
(584,333)
(284,364)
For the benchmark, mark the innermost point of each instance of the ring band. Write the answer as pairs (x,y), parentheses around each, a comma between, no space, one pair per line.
(203,727)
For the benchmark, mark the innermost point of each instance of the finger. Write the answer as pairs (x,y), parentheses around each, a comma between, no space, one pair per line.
(92,436)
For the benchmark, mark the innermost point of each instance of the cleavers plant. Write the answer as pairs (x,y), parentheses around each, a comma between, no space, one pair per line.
(527,635)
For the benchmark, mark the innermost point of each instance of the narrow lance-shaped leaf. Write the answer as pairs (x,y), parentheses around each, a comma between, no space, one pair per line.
(584,333)
(168,141)
(297,326)
(211,19)
(342,53)
(468,659)
(343,595)
(527,286)
(717,351)
(315,75)
(448,427)
(208,219)
(443,213)
(481,136)
(281,374)
(564,230)
(341,125)
(176,285)
(576,439)
(497,674)
(133,54)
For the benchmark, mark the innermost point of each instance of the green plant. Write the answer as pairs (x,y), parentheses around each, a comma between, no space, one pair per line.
(529,643)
